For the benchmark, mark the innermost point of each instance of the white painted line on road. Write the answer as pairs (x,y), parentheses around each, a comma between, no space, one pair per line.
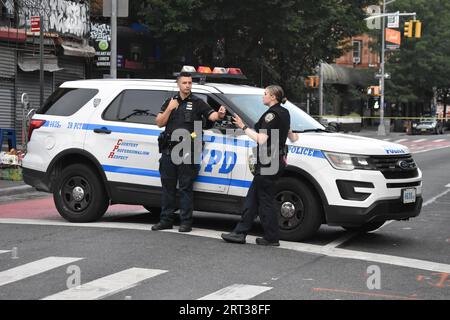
(4,251)
(418,140)
(341,240)
(438,140)
(428,202)
(400,140)
(437,148)
(296,246)
(34,268)
(236,292)
(108,285)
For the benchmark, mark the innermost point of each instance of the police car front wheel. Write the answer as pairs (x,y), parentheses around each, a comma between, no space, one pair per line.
(80,195)
(298,207)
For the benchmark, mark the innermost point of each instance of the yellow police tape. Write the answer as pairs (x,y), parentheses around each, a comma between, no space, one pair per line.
(378,117)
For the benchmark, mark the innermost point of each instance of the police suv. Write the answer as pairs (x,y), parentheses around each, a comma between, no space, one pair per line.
(94,143)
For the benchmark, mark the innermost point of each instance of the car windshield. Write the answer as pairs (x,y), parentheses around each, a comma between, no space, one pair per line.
(253,107)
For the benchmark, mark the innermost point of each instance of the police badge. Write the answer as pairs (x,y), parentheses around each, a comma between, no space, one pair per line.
(269,117)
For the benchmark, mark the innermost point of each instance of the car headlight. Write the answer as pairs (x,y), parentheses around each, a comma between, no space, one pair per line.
(433,124)
(344,161)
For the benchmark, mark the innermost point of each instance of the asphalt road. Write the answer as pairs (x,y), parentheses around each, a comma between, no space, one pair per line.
(408,260)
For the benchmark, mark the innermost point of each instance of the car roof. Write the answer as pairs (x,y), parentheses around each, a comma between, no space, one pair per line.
(225,88)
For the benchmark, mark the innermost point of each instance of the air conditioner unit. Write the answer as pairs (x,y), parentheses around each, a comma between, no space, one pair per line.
(356,60)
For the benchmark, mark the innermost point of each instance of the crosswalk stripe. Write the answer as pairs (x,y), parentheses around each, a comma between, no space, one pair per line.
(107,286)
(438,140)
(236,292)
(418,140)
(34,268)
(4,251)
(400,140)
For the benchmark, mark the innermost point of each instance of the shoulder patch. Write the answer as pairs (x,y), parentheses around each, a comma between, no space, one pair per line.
(269,117)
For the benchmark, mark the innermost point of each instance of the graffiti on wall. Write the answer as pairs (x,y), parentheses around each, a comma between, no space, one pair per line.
(61,16)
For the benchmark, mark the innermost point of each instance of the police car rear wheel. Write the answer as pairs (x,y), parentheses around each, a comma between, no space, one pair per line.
(80,195)
(153,210)
(299,212)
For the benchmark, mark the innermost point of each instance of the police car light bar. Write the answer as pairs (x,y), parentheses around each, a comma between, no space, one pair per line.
(204,72)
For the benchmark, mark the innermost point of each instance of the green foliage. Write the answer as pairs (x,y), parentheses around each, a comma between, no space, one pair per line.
(273,41)
(423,63)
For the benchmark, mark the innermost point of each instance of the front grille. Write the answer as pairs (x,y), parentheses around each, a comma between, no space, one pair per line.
(391,169)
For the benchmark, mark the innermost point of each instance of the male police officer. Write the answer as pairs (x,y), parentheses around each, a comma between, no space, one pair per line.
(180,112)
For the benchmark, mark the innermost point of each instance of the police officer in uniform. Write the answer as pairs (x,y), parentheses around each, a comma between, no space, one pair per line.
(180,112)
(260,197)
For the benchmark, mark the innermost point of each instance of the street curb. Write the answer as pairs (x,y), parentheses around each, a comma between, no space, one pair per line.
(16,190)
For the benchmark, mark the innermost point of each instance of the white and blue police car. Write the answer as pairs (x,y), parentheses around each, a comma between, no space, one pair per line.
(94,143)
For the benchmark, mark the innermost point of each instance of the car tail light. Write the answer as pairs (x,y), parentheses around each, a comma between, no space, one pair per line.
(34,124)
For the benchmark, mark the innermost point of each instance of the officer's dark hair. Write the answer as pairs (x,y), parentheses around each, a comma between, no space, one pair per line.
(278,92)
(184,74)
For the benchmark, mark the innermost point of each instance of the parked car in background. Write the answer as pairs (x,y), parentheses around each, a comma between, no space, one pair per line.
(428,125)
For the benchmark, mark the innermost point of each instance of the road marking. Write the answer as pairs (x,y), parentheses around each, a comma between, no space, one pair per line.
(34,268)
(4,251)
(296,246)
(336,243)
(236,292)
(368,294)
(428,202)
(438,140)
(418,140)
(400,140)
(108,285)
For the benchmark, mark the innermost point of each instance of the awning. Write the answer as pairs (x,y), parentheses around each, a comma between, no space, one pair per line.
(29,62)
(336,74)
(77,49)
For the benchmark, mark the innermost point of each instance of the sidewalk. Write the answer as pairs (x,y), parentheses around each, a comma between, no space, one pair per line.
(8,188)
(373,133)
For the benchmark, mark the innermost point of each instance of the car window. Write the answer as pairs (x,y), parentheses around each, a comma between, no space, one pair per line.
(136,106)
(252,106)
(66,101)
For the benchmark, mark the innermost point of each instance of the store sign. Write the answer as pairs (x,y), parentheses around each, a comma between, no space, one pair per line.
(101,35)
(35,24)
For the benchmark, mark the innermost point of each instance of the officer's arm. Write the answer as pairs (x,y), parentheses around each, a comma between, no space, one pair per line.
(259,138)
(163,116)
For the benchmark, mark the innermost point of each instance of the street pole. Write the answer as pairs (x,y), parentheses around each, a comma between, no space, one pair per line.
(41,61)
(113,66)
(320,90)
(381,127)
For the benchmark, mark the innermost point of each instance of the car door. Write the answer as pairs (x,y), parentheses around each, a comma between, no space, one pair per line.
(124,136)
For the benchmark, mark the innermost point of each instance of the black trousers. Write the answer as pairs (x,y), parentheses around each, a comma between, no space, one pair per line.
(260,201)
(184,174)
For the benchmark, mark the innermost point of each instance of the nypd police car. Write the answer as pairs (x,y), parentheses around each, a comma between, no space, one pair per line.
(94,144)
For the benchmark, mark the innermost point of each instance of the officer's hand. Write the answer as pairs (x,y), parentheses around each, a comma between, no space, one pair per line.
(173,104)
(238,121)
(222,112)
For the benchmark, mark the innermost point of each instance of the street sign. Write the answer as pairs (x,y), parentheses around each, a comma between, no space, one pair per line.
(393,36)
(393,21)
(35,24)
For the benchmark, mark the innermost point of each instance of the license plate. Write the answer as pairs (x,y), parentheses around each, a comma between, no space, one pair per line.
(409,195)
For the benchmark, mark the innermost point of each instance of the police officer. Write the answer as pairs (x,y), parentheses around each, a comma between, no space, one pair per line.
(260,197)
(180,112)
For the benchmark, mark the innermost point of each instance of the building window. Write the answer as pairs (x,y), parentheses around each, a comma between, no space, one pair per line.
(357,49)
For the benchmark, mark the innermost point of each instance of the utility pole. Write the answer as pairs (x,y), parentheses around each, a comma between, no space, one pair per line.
(113,67)
(320,90)
(41,61)
(381,127)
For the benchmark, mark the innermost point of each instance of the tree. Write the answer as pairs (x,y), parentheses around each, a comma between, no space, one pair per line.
(274,41)
(423,63)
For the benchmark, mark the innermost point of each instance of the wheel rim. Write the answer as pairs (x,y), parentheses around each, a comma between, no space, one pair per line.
(291,210)
(76,193)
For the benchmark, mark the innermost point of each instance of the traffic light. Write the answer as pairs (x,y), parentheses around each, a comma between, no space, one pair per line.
(373,91)
(312,81)
(408,29)
(417,29)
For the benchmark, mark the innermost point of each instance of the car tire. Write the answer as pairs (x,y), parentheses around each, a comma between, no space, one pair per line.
(298,209)
(80,195)
(367,227)
(153,210)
